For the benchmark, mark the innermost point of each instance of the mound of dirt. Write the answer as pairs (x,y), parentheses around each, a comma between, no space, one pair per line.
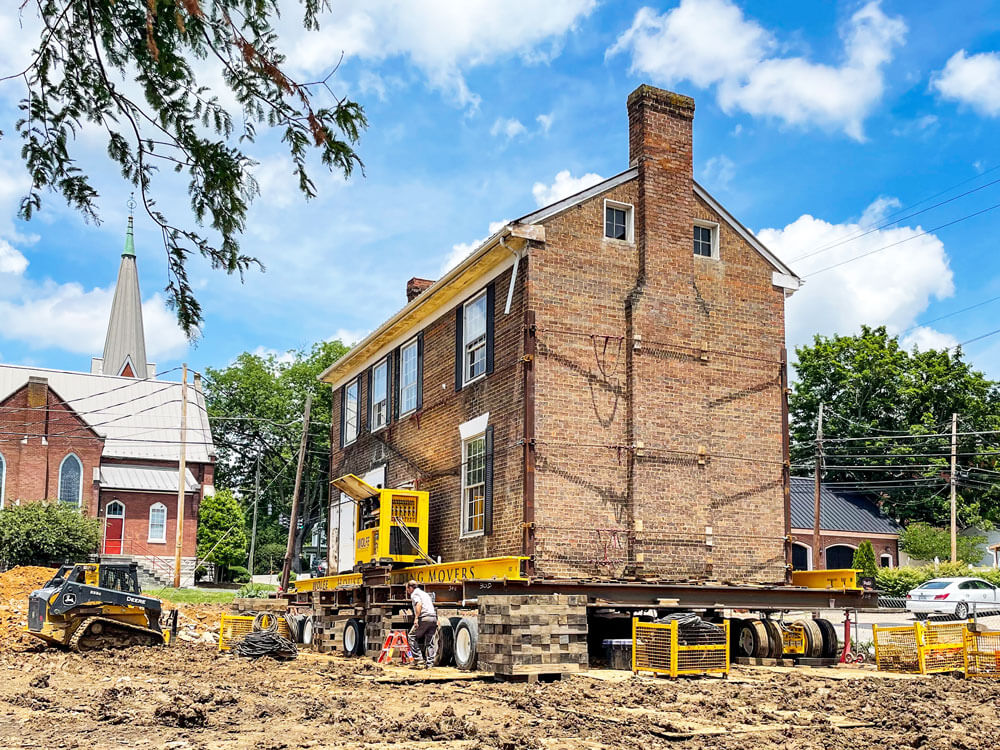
(15,585)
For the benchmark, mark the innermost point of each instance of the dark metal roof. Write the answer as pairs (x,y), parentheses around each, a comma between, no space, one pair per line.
(839,510)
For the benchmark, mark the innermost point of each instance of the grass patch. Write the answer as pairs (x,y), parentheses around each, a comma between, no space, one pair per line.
(192,596)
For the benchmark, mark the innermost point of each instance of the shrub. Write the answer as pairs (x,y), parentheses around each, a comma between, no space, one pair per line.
(255,591)
(239,574)
(46,532)
(268,557)
(222,534)
(922,541)
(900,581)
(864,559)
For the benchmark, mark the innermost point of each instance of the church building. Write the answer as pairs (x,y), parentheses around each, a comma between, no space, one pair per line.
(108,441)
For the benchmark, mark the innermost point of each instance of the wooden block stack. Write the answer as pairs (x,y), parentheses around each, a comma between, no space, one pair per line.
(253,606)
(526,635)
(328,631)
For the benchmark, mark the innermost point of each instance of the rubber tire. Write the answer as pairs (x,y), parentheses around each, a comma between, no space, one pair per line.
(735,627)
(831,643)
(775,644)
(814,638)
(748,638)
(445,637)
(466,643)
(921,616)
(354,637)
(306,631)
(962,607)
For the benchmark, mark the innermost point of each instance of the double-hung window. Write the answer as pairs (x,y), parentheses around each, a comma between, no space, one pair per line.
(380,395)
(474,328)
(473,485)
(352,403)
(158,523)
(408,377)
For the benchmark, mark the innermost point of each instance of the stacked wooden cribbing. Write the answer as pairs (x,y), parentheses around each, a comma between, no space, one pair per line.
(253,606)
(524,635)
(328,630)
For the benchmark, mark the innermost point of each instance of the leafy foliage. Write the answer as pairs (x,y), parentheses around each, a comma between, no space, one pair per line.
(269,558)
(864,559)
(255,406)
(136,69)
(900,581)
(887,415)
(46,532)
(255,591)
(922,541)
(222,533)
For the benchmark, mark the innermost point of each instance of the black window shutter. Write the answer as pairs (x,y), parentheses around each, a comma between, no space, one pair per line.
(459,346)
(397,379)
(490,300)
(420,370)
(366,420)
(343,413)
(488,489)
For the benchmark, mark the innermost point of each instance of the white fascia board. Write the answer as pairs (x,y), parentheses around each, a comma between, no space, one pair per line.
(746,234)
(557,208)
(786,282)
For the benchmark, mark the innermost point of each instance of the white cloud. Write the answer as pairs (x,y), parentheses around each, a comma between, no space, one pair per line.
(564,186)
(719,171)
(11,261)
(924,338)
(442,39)
(508,127)
(671,47)
(349,337)
(890,288)
(973,80)
(463,250)
(545,122)
(280,358)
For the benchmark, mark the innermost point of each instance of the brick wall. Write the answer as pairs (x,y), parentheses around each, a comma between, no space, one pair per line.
(136,531)
(829,538)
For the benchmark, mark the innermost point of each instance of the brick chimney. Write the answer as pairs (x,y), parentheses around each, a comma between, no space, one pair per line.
(415,287)
(38,392)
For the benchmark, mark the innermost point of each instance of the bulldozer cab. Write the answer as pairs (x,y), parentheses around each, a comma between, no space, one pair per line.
(391,524)
(122,577)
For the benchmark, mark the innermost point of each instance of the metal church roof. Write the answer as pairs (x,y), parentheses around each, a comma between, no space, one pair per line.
(145,478)
(839,510)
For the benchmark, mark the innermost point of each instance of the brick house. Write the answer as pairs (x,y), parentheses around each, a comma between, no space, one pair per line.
(109,443)
(598,386)
(846,520)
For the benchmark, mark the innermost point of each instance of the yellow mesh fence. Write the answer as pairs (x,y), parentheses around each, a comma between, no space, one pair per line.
(982,654)
(921,649)
(897,649)
(663,648)
(943,647)
(404,508)
(233,627)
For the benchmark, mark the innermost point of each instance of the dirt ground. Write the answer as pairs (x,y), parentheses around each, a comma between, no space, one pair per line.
(190,696)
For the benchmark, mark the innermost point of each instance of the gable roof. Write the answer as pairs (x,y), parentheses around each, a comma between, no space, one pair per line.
(839,510)
(137,418)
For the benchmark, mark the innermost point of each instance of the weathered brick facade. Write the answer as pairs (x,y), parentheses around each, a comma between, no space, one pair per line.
(652,405)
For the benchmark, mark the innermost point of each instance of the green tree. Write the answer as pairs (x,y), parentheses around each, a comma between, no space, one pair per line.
(222,533)
(922,541)
(45,533)
(887,419)
(255,406)
(864,559)
(137,69)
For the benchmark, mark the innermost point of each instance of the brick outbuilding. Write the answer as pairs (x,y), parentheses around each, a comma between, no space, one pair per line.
(599,386)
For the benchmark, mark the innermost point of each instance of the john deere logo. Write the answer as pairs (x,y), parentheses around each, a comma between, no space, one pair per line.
(69,599)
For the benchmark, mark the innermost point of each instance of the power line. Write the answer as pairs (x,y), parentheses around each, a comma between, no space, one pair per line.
(948,315)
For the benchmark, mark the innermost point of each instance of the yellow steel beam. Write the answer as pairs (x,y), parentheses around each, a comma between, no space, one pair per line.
(845,578)
(484,569)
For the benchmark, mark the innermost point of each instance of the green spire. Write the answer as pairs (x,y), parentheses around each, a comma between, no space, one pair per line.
(129,238)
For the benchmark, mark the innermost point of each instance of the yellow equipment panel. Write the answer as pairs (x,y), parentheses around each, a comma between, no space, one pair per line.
(386,519)
(837,578)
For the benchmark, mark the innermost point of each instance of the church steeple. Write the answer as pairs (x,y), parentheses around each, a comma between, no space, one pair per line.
(125,345)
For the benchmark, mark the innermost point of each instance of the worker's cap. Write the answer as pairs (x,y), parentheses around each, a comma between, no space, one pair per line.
(412,584)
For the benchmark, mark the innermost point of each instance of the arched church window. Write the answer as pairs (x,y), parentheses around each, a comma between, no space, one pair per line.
(71,480)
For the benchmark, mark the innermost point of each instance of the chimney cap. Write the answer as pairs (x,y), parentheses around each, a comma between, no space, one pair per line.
(416,286)
(679,103)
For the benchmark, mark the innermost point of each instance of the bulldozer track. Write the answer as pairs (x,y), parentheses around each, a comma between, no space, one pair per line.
(112,633)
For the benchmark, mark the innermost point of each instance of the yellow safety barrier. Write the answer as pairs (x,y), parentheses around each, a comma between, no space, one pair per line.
(982,654)
(663,648)
(234,627)
(897,649)
(920,649)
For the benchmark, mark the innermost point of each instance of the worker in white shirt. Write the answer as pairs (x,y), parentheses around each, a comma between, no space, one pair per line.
(424,626)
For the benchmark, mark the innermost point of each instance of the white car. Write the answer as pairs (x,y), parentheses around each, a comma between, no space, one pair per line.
(954,596)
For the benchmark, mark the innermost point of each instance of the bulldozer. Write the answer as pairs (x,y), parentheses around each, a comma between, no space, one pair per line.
(90,606)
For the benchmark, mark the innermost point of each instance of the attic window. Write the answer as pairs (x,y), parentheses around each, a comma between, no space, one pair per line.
(617,221)
(706,239)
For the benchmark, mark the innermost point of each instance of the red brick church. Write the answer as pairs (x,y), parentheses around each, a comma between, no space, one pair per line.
(108,441)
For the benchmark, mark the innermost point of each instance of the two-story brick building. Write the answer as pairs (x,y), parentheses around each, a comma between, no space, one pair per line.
(108,441)
(600,385)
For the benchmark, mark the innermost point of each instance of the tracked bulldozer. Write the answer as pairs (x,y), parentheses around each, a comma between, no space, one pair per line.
(96,606)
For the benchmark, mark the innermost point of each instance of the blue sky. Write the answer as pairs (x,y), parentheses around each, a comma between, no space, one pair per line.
(815,122)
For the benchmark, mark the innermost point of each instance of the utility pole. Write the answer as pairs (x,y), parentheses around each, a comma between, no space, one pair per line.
(182,475)
(294,517)
(253,531)
(817,564)
(954,511)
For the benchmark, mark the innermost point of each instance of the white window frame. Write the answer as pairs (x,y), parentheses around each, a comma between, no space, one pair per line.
(356,384)
(466,533)
(629,220)
(150,538)
(68,456)
(882,557)
(3,479)
(411,344)
(713,226)
(467,345)
(385,396)
(809,552)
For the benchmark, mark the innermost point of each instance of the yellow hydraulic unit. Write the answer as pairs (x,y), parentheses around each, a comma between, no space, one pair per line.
(390,524)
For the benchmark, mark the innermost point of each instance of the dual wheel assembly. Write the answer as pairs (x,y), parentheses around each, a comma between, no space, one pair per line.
(455,641)
(764,639)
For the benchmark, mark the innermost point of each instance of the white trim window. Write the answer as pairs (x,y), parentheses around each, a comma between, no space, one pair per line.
(408,377)
(352,410)
(158,523)
(885,560)
(618,221)
(3,479)
(474,330)
(380,395)
(473,485)
(706,239)
(71,480)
